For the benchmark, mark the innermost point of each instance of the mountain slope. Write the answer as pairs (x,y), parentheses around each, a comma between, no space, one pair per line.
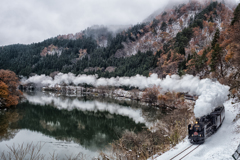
(171,42)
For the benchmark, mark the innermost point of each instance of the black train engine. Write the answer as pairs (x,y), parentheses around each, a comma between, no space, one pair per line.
(206,126)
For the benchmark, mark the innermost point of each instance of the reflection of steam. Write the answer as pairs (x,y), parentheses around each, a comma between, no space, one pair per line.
(135,114)
(211,94)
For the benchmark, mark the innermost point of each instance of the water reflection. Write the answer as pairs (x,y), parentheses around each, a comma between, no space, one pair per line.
(70,123)
(7,122)
(62,102)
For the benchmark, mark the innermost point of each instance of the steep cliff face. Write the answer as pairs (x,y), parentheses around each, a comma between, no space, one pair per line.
(178,34)
(167,25)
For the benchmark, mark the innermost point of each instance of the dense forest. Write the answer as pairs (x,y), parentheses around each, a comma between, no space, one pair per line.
(191,38)
(27,59)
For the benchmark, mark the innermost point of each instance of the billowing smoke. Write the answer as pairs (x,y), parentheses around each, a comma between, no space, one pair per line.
(211,94)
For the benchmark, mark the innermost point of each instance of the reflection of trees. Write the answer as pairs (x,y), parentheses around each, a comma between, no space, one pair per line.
(7,121)
(150,114)
(88,128)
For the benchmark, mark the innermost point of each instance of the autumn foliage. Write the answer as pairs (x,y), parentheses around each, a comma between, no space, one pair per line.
(151,95)
(170,99)
(9,94)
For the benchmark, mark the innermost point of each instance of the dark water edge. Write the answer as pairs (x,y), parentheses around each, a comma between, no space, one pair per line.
(68,125)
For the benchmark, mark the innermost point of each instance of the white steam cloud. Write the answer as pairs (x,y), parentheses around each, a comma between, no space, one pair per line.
(211,94)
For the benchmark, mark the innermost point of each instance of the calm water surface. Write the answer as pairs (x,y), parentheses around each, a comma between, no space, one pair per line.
(69,125)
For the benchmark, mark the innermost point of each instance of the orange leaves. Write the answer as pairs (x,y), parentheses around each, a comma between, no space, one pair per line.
(231,43)
(181,23)
(200,53)
(196,31)
(209,56)
(82,52)
(190,64)
(234,91)
(12,100)
(48,49)
(205,23)
(232,48)
(229,55)
(164,35)
(3,90)
(225,43)
(155,44)
(9,78)
(44,52)
(153,96)
(150,95)
(171,99)
(211,27)
(9,93)
(162,98)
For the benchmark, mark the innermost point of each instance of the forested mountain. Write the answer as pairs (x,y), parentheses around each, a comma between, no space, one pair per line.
(184,39)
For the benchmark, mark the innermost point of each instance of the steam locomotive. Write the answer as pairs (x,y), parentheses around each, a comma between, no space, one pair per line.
(206,126)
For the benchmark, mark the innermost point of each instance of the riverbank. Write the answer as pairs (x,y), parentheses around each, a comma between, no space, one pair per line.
(133,94)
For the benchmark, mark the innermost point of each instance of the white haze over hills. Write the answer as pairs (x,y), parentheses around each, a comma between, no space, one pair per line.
(211,94)
(31,21)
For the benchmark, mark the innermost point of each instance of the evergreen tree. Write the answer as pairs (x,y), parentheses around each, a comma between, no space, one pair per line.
(182,50)
(216,57)
(216,53)
(236,14)
(163,26)
(170,21)
(216,37)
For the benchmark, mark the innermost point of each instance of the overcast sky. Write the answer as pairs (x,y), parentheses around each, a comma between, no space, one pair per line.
(28,21)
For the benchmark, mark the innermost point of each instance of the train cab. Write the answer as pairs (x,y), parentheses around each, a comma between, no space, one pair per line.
(206,125)
(196,133)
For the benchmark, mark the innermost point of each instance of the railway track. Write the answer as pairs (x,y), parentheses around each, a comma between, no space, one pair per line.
(185,152)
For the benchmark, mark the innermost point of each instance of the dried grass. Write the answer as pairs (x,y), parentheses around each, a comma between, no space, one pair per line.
(32,152)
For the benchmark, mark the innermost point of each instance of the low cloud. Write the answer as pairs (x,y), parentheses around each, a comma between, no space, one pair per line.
(28,21)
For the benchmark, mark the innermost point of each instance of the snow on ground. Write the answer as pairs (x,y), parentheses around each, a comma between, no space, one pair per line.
(220,146)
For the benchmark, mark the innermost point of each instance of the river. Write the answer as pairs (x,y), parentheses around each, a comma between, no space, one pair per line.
(67,126)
